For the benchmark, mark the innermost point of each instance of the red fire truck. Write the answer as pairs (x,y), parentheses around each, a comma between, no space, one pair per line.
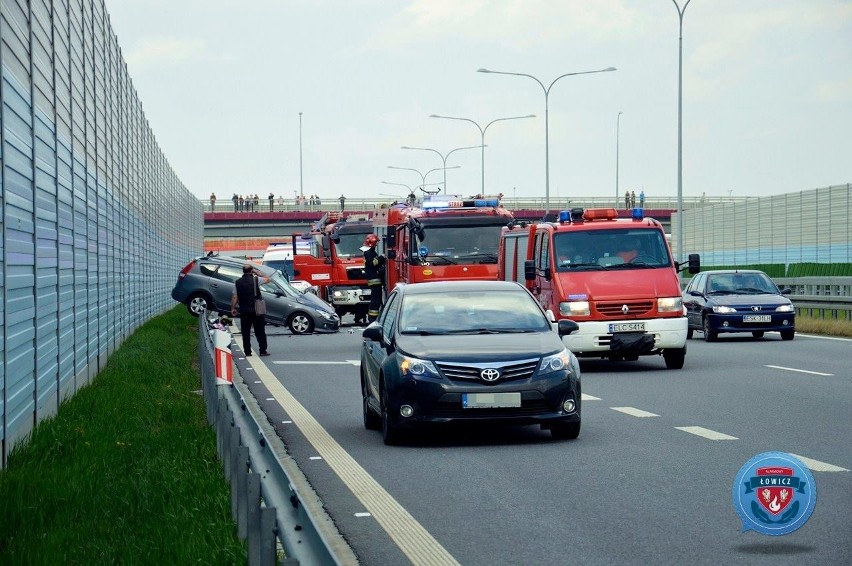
(328,258)
(615,277)
(443,238)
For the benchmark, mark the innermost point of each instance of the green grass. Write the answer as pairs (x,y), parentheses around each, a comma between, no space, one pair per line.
(127,472)
(826,326)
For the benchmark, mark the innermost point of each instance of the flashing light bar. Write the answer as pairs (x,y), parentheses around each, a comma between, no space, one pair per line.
(600,214)
(459,203)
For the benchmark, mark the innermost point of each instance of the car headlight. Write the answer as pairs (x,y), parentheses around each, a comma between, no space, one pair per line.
(670,304)
(722,309)
(556,362)
(415,367)
(326,315)
(785,308)
(574,308)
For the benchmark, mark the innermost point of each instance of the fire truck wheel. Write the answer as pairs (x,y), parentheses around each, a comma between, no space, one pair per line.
(674,358)
(300,323)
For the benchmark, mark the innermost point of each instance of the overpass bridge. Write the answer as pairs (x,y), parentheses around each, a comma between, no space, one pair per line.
(247,233)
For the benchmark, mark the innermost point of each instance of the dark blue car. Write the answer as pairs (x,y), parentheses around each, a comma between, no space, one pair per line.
(737,301)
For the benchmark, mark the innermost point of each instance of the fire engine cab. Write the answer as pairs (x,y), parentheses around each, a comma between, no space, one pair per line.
(333,263)
(443,238)
(615,277)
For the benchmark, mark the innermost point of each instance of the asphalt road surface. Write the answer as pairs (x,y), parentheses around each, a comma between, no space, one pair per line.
(648,481)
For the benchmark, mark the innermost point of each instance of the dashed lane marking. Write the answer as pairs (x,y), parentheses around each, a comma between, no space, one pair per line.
(633,411)
(706,433)
(585,397)
(310,363)
(800,370)
(818,466)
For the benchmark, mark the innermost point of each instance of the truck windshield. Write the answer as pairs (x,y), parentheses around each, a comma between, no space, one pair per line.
(610,249)
(349,244)
(458,244)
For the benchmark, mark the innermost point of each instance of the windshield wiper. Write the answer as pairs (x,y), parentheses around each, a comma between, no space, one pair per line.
(482,254)
(431,259)
(574,265)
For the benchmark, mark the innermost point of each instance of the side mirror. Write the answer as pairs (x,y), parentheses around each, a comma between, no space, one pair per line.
(326,246)
(786,291)
(392,253)
(547,274)
(566,327)
(373,332)
(529,270)
(694,263)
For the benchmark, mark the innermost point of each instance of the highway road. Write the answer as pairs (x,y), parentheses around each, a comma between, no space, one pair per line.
(648,481)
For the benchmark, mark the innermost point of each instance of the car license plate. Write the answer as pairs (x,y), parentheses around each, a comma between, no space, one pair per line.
(490,400)
(627,327)
(757,318)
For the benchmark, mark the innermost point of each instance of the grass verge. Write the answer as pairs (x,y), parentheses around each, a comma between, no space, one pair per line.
(827,326)
(127,472)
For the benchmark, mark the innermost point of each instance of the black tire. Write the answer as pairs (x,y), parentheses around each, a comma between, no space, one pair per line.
(300,323)
(565,431)
(788,334)
(757,333)
(709,334)
(198,303)
(390,431)
(674,358)
(372,421)
(689,333)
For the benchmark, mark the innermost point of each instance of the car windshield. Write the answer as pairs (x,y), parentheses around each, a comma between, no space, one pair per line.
(471,312)
(741,284)
(278,283)
(610,249)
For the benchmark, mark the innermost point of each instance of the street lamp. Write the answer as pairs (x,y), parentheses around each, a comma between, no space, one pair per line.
(680,12)
(546,120)
(443,157)
(617,124)
(482,133)
(423,175)
(301,186)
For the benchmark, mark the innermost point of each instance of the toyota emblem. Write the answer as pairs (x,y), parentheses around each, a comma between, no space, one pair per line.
(489,374)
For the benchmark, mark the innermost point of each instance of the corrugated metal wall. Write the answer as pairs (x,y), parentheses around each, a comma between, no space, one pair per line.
(95,225)
(807,226)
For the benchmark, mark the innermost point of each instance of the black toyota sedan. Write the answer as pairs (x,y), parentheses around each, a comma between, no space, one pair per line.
(743,300)
(467,351)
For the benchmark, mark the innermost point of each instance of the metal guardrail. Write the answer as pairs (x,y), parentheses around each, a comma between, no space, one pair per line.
(272,502)
(820,297)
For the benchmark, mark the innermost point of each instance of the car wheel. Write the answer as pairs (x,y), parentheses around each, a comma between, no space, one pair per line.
(689,333)
(300,323)
(197,304)
(390,430)
(674,358)
(565,431)
(372,421)
(710,335)
(788,334)
(757,333)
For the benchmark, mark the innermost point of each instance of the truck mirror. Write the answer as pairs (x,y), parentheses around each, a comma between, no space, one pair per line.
(566,327)
(529,270)
(326,246)
(390,241)
(392,253)
(694,263)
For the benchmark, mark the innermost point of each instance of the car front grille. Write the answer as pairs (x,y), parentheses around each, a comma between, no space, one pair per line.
(616,309)
(509,371)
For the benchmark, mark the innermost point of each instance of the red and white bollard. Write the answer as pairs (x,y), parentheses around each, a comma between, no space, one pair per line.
(224,358)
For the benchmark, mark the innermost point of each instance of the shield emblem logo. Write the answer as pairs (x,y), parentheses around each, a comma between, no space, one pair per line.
(776,494)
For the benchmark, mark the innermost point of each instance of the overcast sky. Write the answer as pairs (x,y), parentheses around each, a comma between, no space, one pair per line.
(767,94)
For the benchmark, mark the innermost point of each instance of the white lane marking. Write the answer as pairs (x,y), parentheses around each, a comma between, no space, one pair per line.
(308,363)
(818,466)
(270,398)
(315,458)
(363,515)
(800,370)
(258,382)
(286,422)
(585,397)
(824,337)
(706,433)
(633,411)
(410,536)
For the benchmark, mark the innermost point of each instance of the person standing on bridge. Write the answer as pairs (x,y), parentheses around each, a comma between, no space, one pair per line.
(642,199)
(627,200)
(342,200)
(374,272)
(212,202)
(271,202)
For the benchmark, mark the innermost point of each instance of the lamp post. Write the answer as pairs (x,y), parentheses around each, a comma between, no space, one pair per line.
(680,12)
(443,157)
(423,175)
(617,124)
(546,120)
(482,133)
(301,186)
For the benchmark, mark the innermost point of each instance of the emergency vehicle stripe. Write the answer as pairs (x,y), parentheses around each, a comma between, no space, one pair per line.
(409,535)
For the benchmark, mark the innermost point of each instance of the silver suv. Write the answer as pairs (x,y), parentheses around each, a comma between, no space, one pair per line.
(206,283)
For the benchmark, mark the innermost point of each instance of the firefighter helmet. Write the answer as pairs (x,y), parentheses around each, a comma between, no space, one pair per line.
(371,240)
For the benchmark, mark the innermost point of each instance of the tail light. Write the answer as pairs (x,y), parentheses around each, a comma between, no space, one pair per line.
(185,270)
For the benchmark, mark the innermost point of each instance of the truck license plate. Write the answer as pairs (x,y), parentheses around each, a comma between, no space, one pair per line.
(490,400)
(626,327)
(757,318)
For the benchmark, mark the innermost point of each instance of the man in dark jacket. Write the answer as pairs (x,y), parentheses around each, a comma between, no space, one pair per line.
(246,289)
(374,267)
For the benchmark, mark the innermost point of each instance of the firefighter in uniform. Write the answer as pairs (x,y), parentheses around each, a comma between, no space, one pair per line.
(374,267)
